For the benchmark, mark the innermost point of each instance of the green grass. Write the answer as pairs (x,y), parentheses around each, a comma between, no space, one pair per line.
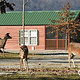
(39,77)
(45,74)
(30,56)
(13,55)
(41,73)
(9,56)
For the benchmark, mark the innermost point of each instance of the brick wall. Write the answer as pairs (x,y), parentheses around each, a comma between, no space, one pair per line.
(14,33)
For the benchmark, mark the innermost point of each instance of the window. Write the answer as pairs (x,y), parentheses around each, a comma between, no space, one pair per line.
(61,35)
(31,37)
(50,33)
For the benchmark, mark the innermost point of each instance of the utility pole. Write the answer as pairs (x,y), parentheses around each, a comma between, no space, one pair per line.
(23,19)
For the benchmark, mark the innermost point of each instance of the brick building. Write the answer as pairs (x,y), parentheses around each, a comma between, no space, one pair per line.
(36,30)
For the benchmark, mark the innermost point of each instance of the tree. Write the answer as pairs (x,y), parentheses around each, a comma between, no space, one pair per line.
(23,18)
(4,4)
(67,23)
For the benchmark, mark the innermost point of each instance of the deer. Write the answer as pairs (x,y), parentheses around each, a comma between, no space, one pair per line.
(73,50)
(4,40)
(23,56)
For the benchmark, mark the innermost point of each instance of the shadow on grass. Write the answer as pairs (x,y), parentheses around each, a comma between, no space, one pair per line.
(41,78)
(52,54)
(8,52)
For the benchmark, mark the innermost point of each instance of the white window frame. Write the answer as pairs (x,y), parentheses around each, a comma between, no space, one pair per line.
(29,36)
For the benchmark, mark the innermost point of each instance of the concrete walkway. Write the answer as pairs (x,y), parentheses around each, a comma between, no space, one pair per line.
(40,51)
(50,58)
(46,61)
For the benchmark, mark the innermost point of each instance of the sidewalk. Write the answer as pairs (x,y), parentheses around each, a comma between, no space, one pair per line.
(40,51)
(48,51)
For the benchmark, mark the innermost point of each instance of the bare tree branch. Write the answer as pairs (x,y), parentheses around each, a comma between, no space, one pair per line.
(26,2)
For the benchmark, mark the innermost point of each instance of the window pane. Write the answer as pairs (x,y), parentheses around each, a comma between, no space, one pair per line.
(50,33)
(26,40)
(21,40)
(61,35)
(33,40)
(21,33)
(33,33)
(30,37)
(26,33)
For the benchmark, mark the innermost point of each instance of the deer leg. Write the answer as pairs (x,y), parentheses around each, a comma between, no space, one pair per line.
(73,62)
(24,63)
(27,65)
(3,53)
(21,63)
(0,51)
(72,59)
(69,60)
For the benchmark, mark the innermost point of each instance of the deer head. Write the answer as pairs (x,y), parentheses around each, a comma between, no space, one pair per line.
(24,49)
(7,36)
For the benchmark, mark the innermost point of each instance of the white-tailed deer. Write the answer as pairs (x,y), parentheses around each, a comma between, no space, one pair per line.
(23,55)
(4,40)
(73,49)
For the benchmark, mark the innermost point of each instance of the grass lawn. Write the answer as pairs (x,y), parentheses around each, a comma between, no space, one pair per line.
(30,56)
(54,74)
(39,73)
(13,55)
(9,56)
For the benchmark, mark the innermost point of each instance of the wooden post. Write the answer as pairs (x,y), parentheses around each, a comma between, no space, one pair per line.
(57,38)
(45,37)
(23,18)
(66,41)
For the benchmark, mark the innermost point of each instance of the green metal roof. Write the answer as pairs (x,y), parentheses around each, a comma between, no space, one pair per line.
(31,17)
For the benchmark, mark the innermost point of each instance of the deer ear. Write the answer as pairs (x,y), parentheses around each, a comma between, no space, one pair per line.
(21,47)
(7,33)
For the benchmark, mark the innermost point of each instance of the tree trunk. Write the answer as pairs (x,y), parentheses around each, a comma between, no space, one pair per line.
(66,41)
(23,18)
